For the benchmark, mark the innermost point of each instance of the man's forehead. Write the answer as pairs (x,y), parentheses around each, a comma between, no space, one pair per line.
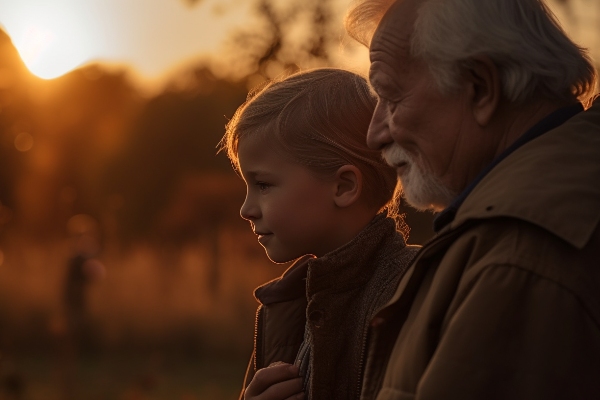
(387,46)
(395,29)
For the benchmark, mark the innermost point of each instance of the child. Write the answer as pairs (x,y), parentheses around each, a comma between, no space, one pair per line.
(316,194)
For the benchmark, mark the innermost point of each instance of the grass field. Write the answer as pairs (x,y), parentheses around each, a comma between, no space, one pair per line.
(119,376)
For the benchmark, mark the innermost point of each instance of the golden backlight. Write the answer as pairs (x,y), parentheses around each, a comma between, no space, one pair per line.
(155,37)
(151,38)
(51,39)
(48,53)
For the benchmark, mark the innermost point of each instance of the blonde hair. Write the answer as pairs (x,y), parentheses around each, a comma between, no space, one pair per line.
(522,37)
(318,118)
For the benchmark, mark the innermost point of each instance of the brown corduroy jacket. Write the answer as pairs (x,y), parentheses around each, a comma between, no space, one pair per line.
(505,302)
(338,294)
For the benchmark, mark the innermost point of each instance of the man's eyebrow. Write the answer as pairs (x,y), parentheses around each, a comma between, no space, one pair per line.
(382,87)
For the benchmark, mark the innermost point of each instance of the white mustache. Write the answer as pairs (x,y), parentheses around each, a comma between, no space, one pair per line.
(395,155)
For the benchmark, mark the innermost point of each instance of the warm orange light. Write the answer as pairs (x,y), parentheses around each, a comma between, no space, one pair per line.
(24,141)
(52,38)
(35,43)
(47,53)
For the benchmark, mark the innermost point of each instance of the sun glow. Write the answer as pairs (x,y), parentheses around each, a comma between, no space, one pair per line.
(50,39)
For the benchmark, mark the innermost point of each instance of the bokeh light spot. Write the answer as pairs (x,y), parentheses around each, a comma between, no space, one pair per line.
(24,141)
(82,224)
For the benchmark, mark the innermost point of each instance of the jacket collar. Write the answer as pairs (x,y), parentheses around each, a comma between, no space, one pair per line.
(553,120)
(345,267)
(289,286)
(552,181)
(353,264)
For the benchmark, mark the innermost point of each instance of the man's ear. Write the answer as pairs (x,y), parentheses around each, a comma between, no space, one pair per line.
(485,88)
(348,185)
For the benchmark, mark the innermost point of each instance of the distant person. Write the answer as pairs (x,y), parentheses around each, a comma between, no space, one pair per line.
(480,110)
(316,194)
(83,269)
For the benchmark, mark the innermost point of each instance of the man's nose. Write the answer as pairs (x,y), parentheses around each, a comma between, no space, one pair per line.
(378,135)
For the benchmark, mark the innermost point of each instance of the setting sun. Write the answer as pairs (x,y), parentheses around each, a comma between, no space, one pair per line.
(40,50)
(152,38)
(51,40)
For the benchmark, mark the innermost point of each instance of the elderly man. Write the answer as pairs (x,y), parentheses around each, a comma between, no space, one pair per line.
(480,111)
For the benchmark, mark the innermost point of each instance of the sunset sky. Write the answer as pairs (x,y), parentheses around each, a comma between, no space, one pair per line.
(155,37)
(152,36)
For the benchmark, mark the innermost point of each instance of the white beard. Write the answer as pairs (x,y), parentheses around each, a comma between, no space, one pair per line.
(421,189)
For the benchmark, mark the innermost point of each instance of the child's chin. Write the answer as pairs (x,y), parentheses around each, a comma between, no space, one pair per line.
(280,258)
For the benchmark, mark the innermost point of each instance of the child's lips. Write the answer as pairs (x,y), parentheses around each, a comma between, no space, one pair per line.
(262,234)
(262,237)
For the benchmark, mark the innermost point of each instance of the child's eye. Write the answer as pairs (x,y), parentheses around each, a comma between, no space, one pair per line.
(262,186)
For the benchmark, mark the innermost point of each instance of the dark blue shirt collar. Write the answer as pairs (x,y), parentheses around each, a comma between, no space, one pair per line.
(548,123)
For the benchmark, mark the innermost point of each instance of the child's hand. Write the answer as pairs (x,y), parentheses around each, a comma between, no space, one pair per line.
(279,381)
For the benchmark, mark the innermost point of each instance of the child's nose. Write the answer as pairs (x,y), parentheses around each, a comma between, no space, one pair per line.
(249,211)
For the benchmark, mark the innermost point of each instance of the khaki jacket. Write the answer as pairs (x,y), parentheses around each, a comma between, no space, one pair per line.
(338,294)
(504,303)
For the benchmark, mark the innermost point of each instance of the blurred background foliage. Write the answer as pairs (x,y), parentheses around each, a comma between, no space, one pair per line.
(125,269)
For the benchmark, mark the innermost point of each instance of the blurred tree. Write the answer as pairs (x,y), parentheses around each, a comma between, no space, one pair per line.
(175,136)
(79,122)
(300,33)
(55,139)
(90,113)
(285,36)
(581,18)
(191,2)
(291,34)
(16,110)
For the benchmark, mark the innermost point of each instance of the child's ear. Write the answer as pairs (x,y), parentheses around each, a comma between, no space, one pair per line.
(348,185)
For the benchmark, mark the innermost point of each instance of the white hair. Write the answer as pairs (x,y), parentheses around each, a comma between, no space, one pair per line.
(421,188)
(363,17)
(522,38)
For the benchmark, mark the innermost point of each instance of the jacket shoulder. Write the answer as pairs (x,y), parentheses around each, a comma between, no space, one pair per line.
(519,245)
